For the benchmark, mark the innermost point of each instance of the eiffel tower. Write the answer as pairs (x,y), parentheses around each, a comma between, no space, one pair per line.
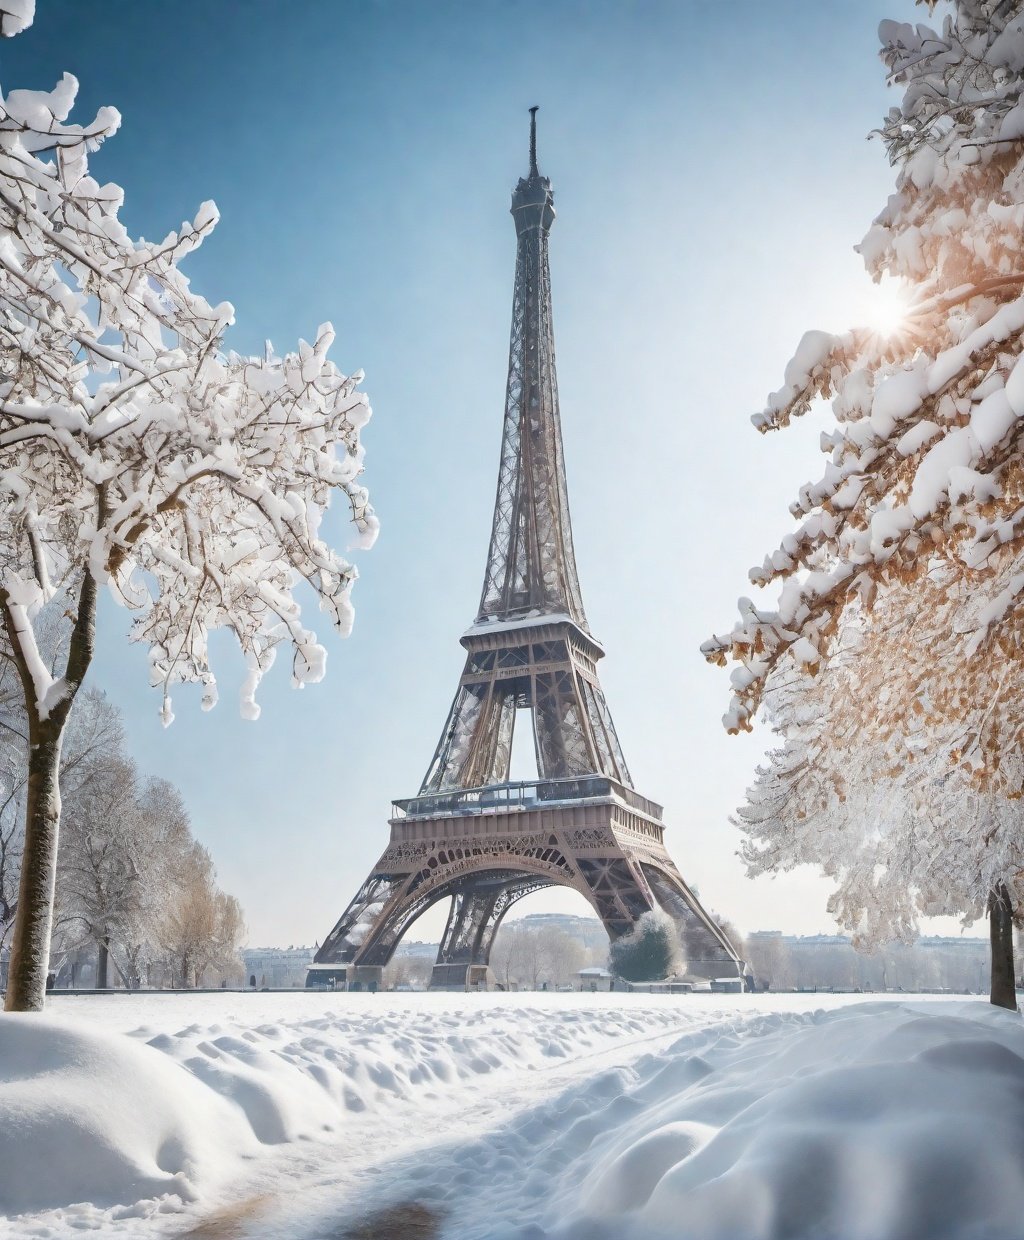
(470,834)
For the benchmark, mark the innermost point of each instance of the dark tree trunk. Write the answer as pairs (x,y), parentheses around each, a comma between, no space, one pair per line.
(102,963)
(1000,929)
(30,944)
(33,923)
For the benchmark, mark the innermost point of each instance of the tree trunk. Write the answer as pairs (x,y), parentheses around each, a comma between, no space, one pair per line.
(1000,929)
(102,963)
(30,945)
(33,925)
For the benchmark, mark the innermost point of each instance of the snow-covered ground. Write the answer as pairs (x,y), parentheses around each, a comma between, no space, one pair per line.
(488,1117)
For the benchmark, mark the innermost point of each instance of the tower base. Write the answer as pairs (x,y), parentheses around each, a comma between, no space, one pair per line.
(344,977)
(461,977)
(486,848)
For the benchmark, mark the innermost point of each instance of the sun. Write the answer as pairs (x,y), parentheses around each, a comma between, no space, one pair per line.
(885,307)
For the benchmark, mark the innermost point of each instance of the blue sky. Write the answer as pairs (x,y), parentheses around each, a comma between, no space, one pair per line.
(712,175)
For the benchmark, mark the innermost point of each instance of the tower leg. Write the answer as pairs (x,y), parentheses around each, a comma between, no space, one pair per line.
(618,891)
(706,946)
(458,963)
(463,959)
(367,933)
(622,891)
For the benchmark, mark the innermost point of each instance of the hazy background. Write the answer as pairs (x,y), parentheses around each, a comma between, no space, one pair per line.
(712,175)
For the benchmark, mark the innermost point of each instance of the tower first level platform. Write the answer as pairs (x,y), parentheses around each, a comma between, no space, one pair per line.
(487,847)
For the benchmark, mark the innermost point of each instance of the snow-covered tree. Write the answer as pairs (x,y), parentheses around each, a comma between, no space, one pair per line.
(164,823)
(128,863)
(109,861)
(650,952)
(13,752)
(137,455)
(924,488)
(771,962)
(94,730)
(201,926)
(867,786)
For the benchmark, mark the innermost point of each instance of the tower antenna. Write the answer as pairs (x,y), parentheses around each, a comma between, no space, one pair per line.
(533,143)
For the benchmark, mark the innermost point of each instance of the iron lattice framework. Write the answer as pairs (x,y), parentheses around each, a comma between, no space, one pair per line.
(471,835)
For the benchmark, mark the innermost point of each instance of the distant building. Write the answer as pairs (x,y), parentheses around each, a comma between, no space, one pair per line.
(586,930)
(727,985)
(595,979)
(277,967)
(957,942)
(417,950)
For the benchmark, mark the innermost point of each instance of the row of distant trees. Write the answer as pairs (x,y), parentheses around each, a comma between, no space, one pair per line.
(525,956)
(529,955)
(778,963)
(134,887)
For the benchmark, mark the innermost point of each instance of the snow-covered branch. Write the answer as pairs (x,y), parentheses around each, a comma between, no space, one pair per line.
(927,447)
(189,464)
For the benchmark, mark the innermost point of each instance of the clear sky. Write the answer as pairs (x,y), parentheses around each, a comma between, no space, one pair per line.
(712,175)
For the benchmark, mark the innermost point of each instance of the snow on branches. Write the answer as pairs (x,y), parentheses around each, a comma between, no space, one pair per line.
(133,450)
(883,778)
(16,16)
(925,476)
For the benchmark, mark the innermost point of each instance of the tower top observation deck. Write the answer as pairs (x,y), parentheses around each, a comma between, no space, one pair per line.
(533,202)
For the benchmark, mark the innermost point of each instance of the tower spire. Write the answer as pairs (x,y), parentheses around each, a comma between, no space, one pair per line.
(531,567)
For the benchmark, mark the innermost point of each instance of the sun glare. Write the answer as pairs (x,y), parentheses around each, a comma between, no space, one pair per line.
(885,307)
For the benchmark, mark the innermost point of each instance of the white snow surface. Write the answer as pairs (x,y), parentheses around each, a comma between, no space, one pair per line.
(513,1117)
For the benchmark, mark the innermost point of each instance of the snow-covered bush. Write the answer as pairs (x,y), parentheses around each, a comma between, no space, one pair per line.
(650,951)
(137,455)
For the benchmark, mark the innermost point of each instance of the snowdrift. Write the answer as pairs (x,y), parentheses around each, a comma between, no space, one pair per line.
(572,1118)
(89,1115)
(877,1122)
(85,1116)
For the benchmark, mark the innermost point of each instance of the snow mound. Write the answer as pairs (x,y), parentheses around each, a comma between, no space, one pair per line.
(880,1122)
(89,1117)
(874,1121)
